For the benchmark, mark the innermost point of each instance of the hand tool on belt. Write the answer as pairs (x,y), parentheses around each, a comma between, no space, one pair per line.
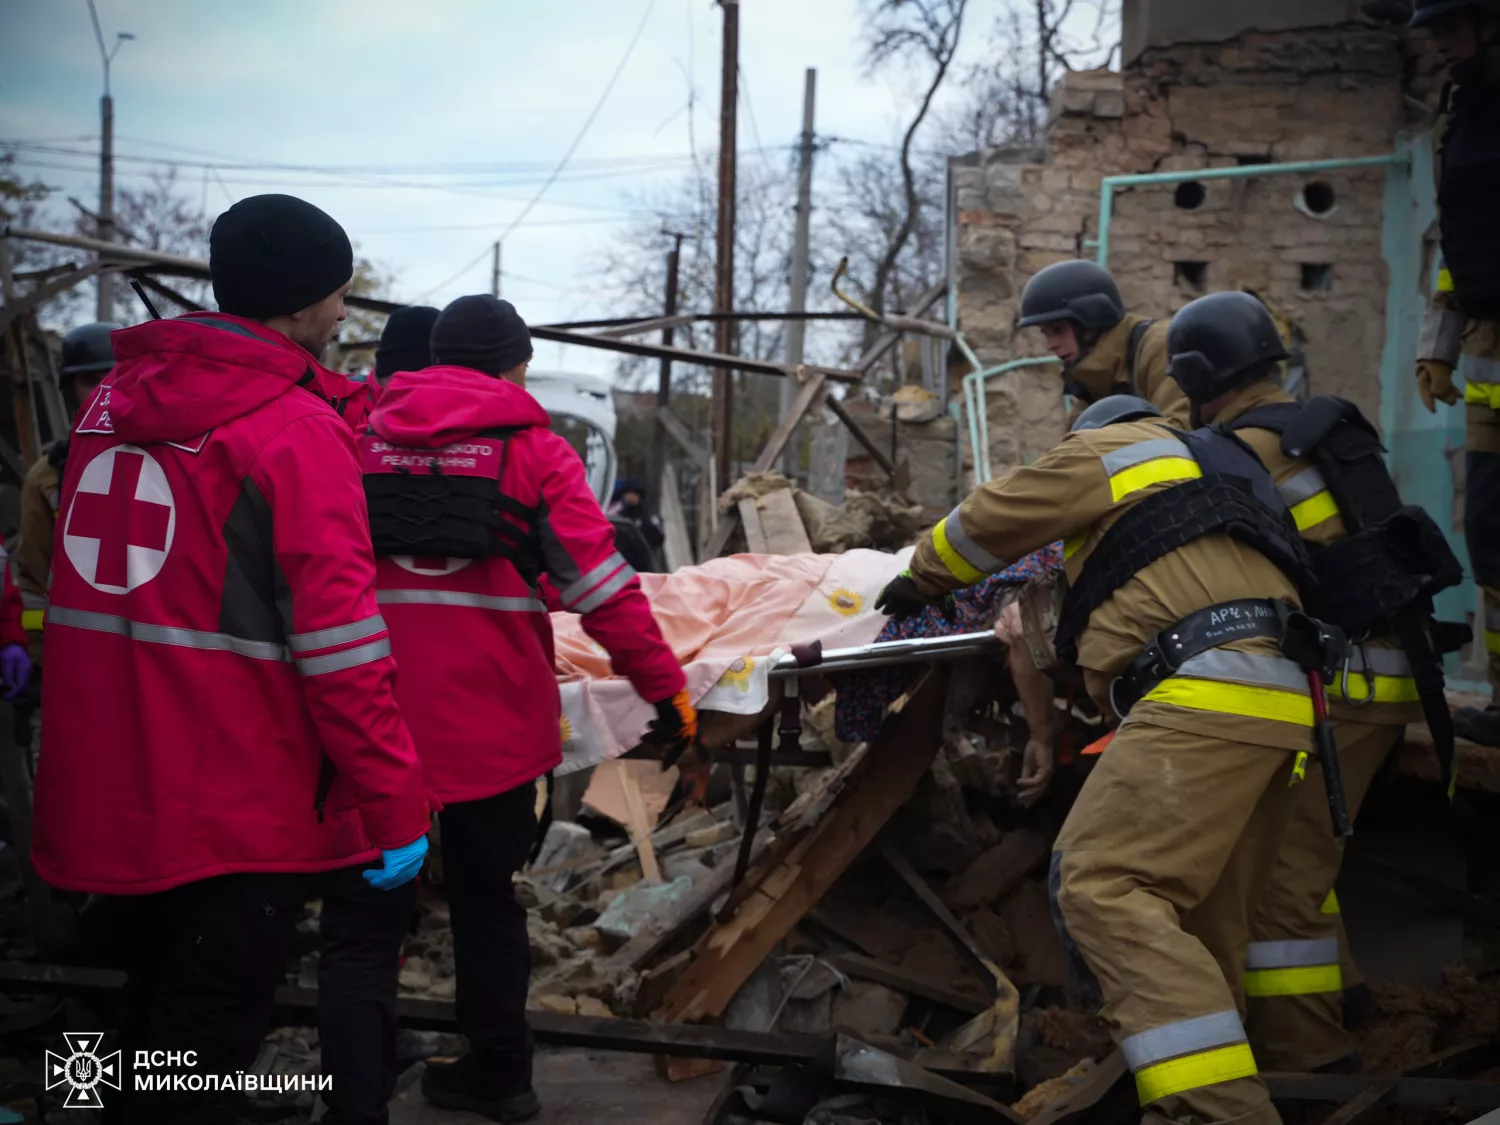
(1314,646)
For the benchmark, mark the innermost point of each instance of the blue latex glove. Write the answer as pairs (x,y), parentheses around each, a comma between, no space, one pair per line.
(398,865)
(15,669)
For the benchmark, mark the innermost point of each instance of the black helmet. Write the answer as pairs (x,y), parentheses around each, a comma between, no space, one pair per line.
(1425,11)
(86,350)
(1216,339)
(1078,291)
(1115,408)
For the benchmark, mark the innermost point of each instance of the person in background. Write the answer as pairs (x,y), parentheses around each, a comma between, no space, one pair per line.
(86,357)
(628,505)
(220,719)
(470,629)
(405,342)
(1104,350)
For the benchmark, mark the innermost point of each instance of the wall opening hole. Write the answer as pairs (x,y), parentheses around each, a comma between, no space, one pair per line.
(1191,275)
(1317,277)
(1250,161)
(1190,195)
(1318,198)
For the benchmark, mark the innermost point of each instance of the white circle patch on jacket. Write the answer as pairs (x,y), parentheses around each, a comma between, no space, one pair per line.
(121,521)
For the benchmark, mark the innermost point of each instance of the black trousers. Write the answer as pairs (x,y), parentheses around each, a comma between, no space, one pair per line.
(1482,515)
(362,932)
(204,960)
(485,843)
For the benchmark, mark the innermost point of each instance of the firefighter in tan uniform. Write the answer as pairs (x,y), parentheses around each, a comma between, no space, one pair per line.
(1327,463)
(1103,349)
(1183,570)
(86,359)
(1464,318)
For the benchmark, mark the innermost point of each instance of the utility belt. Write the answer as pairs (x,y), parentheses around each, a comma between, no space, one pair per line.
(1316,648)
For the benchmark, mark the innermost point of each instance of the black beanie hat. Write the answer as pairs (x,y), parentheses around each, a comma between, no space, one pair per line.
(272,255)
(481,332)
(405,342)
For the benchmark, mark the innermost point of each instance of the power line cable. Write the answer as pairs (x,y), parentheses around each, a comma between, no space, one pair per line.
(568,155)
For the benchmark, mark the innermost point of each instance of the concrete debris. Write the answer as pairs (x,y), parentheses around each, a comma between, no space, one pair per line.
(867,1009)
(622,918)
(565,844)
(865,519)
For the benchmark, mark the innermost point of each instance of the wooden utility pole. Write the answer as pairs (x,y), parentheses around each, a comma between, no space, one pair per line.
(105,306)
(725,336)
(495,273)
(796,329)
(664,378)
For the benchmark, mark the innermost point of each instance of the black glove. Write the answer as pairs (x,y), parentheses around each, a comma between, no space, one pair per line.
(901,599)
(675,727)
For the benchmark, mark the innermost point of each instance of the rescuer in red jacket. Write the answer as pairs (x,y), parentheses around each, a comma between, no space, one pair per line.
(473,499)
(219,720)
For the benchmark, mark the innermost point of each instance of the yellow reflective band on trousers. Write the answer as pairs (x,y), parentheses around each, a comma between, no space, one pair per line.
(1222,1064)
(1184,1055)
(1486,394)
(1492,642)
(1330,904)
(1387,689)
(1292,968)
(959,566)
(1445,281)
(33,619)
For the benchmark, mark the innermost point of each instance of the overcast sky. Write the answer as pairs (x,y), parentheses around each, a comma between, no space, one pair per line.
(425,126)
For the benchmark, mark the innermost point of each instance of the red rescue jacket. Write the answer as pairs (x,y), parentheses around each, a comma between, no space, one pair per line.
(473,640)
(216,660)
(12,632)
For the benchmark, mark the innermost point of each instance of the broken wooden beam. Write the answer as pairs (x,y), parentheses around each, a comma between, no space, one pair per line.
(867,968)
(728,954)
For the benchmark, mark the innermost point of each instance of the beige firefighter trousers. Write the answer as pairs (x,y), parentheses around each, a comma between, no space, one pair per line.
(1172,826)
(1293,979)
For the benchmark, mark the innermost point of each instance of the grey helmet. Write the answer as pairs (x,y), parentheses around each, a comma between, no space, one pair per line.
(1114,408)
(87,350)
(1080,291)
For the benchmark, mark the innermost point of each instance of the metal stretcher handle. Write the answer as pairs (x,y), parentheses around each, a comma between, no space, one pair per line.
(913,651)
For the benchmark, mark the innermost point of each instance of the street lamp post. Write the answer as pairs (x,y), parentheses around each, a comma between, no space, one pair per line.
(105,309)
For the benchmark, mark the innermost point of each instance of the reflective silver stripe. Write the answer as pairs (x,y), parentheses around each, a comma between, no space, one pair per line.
(1304,486)
(1480,369)
(1291,954)
(1185,1037)
(973,553)
(456,597)
(1246,668)
(348,658)
(165,634)
(337,635)
(33,601)
(1143,451)
(605,592)
(592,578)
(1381,661)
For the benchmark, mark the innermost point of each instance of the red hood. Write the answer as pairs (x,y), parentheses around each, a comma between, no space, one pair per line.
(176,379)
(437,406)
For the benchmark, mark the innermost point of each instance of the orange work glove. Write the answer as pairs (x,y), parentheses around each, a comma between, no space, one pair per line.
(675,726)
(1435,384)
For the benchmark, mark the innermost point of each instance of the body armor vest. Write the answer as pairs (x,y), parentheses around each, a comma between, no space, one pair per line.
(447,502)
(1395,556)
(1469,203)
(1235,497)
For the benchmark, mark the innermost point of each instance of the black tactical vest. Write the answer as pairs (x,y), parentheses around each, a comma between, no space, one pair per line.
(1469,203)
(1235,497)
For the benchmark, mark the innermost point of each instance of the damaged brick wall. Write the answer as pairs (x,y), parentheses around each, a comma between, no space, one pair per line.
(1309,246)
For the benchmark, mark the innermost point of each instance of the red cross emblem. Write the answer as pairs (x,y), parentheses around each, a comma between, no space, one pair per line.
(430,566)
(120,524)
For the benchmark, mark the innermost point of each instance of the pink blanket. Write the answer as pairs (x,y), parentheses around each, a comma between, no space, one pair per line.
(720,618)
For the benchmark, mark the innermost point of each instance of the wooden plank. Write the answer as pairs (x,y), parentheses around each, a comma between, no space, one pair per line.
(867,968)
(729,954)
(637,823)
(813,388)
(781,525)
(678,547)
(862,435)
(755,538)
(677,429)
